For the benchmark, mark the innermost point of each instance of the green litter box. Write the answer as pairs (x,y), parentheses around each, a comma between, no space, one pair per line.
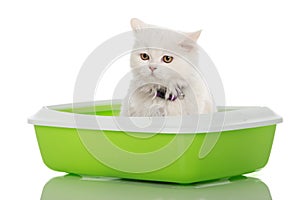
(90,139)
(78,188)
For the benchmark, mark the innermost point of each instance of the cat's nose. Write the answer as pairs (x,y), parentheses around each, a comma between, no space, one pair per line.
(152,68)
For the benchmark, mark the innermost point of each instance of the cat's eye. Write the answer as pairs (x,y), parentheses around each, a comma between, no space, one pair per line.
(144,56)
(167,59)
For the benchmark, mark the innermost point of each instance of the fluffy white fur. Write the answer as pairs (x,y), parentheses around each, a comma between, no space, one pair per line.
(179,75)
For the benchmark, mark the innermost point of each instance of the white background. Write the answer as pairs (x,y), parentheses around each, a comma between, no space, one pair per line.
(254,44)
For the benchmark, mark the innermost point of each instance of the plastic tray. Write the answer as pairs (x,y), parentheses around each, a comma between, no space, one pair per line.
(91,139)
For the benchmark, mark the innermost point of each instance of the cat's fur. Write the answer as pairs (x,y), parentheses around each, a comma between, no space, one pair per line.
(176,77)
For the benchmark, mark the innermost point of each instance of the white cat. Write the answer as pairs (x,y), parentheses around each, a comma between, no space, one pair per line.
(164,81)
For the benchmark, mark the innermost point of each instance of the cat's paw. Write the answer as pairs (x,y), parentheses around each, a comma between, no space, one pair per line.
(153,90)
(148,89)
(175,90)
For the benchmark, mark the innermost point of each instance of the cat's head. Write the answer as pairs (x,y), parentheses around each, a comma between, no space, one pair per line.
(160,55)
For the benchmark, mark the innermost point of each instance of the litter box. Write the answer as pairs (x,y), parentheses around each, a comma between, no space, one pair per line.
(78,188)
(90,139)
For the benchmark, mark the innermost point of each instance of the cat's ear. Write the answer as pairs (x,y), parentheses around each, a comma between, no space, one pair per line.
(194,35)
(137,24)
(190,41)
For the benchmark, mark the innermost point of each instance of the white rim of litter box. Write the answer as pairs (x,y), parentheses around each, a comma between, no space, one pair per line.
(235,118)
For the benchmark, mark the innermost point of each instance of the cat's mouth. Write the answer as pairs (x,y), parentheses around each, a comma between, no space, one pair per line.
(152,74)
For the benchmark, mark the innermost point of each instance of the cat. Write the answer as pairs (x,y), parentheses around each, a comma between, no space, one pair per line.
(164,83)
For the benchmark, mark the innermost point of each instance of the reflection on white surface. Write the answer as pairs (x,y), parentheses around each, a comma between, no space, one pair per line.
(77,188)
